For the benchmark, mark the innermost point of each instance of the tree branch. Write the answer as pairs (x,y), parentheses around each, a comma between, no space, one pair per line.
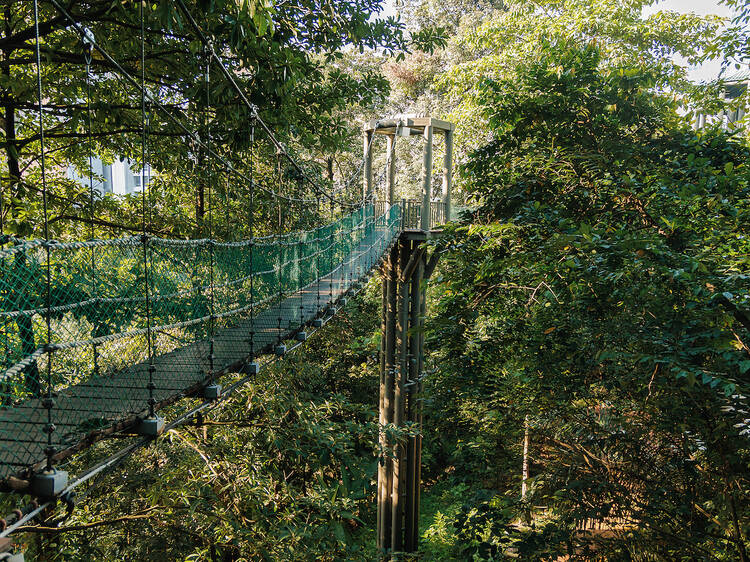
(740,315)
(57,530)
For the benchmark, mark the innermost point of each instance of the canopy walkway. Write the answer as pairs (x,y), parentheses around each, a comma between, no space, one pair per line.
(264,292)
(104,328)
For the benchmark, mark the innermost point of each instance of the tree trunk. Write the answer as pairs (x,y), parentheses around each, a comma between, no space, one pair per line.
(525,464)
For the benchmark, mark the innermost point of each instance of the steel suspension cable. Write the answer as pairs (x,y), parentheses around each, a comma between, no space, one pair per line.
(282,253)
(48,401)
(212,257)
(145,123)
(318,232)
(332,252)
(251,221)
(228,232)
(88,51)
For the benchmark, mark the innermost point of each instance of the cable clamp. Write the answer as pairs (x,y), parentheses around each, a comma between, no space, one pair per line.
(88,41)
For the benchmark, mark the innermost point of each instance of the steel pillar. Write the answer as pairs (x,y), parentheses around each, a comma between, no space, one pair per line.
(400,399)
(390,176)
(426,179)
(447,175)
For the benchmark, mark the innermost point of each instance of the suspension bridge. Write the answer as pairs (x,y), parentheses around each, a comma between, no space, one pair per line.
(101,334)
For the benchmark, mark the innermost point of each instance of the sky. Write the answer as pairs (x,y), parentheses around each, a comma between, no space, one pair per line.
(706,72)
(710,70)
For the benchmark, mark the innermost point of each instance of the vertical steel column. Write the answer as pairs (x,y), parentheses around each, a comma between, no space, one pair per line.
(447,175)
(419,356)
(413,398)
(390,176)
(426,178)
(400,367)
(399,472)
(367,180)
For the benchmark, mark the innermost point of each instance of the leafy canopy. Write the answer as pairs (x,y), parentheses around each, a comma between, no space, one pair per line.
(601,293)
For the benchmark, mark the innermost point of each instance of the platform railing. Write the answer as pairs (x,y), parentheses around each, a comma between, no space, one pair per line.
(412,213)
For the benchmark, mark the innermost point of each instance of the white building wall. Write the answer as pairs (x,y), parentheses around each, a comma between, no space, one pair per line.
(119,177)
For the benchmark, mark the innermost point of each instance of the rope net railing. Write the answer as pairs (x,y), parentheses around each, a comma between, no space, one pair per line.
(99,322)
(223,246)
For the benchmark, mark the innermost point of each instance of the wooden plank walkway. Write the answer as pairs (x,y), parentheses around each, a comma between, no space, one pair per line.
(116,401)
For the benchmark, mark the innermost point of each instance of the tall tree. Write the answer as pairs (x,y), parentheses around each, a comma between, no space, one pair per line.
(602,292)
(276,52)
(618,28)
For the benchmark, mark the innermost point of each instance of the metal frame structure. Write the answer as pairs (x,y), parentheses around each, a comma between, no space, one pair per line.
(406,126)
(405,269)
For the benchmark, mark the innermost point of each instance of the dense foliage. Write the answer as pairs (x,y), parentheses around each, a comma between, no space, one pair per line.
(600,294)
(287,57)
(595,299)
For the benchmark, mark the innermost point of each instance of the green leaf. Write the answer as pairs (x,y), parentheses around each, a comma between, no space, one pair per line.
(339,532)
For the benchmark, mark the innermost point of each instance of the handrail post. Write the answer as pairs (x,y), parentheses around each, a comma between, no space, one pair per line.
(447,176)
(390,174)
(426,178)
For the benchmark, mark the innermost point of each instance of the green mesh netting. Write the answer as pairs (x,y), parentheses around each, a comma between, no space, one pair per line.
(263,291)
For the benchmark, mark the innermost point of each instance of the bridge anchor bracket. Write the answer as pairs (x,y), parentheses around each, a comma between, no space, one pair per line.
(250,369)
(212,392)
(49,484)
(150,427)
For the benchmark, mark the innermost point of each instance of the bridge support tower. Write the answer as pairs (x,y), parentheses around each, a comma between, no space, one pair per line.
(412,126)
(405,269)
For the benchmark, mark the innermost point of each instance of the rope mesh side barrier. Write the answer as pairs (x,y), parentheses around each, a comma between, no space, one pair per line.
(92,312)
(99,334)
(108,464)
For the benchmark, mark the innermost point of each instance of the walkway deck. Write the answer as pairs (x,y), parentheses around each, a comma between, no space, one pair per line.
(83,413)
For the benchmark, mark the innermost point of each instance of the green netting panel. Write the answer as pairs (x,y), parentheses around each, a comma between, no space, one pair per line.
(262,291)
